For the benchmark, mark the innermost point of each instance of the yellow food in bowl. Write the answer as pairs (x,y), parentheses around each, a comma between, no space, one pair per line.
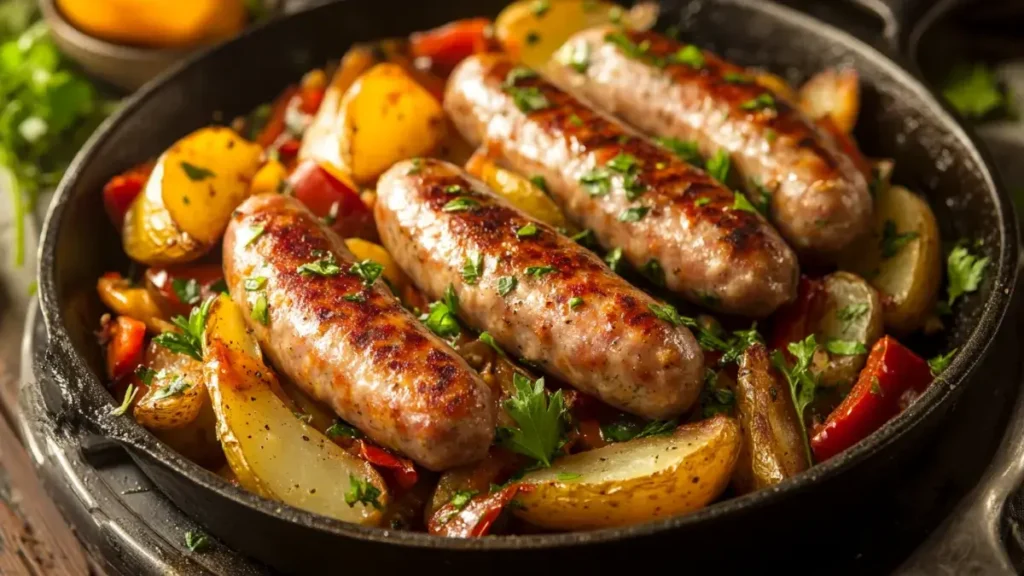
(156,23)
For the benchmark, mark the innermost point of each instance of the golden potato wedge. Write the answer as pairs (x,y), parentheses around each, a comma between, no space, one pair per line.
(205,177)
(383,102)
(532,31)
(773,444)
(634,481)
(851,313)
(272,452)
(150,235)
(366,250)
(833,93)
(902,258)
(519,191)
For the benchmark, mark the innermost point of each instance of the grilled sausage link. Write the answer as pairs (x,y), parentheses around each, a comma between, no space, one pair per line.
(671,220)
(353,346)
(539,294)
(819,200)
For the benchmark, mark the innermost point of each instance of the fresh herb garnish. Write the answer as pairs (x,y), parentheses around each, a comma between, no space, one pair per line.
(527,230)
(342,429)
(326,265)
(368,270)
(540,182)
(702,201)
(849,314)
(689,55)
(624,431)
(939,363)
(538,271)
(255,283)
(614,259)
(250,234)
(974,91)
(764,101)
(540,420)
(196,541)
(718,165)
(355,297)
(506,284)
(196,173)
(802,382)
(597,182)
(187,291)
(460,204)
(845,347)
(715,399)
(453,189)
(461,498)
(259,310)
(129,396)
(965,272)
(190,340)
(892,241)
(145,374)
(362,491)
(567,476)
(634,214)
(528,99)
(441,320)
(575,120)
(623,163)
(451,299)
(653,271)
(575,302)
(518,73)
(486,338)
(741,203)
(685,149)
(473,268)
(737,78)
(876,387)
(332,214)
(666,312)
(576,56)
(219,287)
(175,388)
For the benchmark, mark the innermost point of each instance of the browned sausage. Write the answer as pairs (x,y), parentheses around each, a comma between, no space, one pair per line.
(352,346)
(539,294)
(819,200)
(671,220)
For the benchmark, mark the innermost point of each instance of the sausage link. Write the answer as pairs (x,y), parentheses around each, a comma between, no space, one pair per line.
(671,220)
(539,294)
(819,200)
(352,346)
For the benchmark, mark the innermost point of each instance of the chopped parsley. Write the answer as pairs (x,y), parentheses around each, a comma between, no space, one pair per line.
(539,271)
(849,314)
(326,265)
(892,241)
(145,374)
(737,78)
(653,271)
(441,320)
(685,149)
(190,340)
(506,284)
(742,203)
(196,173)
(461,204)
(965,272)
(342,429)
(577,57)
(703,201)
(358,297)
(689,55)
(764,101)
(129,396)
(584,238)
(486,338)
(974,91)
(575,302)
(666,312)
(473,268)
(259,310)
(196,541)
(177,387)
(614,259)
(575,120)
(250,234)
(461,498)
(518,73)
(540,182)
(187,291)
(368,270)
(567,476)
(634,214)
(453,189)
(802,382)
(876,387)
(845,347)
(220,287)
(939,363)
(362,491)
(715,399)
(255,283)
(527,231)
(528,99)
(624,431)
(539,418)
(623,163)
(718,165)
(633,186)
(597,182)
(332,214)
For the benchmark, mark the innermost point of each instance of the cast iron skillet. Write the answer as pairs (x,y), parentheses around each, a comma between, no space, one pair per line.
(900,119)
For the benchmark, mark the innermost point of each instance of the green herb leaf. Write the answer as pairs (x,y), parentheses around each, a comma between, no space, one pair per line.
(741,203)
(576,56)
(473,268)
(689,55)
(892,241)
(845,347)
(715,399)
(190,340)
(764,101)
(259,310)
(974,91)
(718,165)
(849,314)
(540,420)
(325,266)
(965,272)
(486,338)
(453,189)
(802,383)
(876,387)
(518,73)
(685,149)
(461,204)
(506,284)
(737,78)
(540,182)
(624,431)
(575,120)
(614,259)
(129,396)
(175,388)
(187,291)
(704,201)
(196,541)
(250,234)
(362,491)
(527,230)
(368,270)
(539,271)
(255,283)
(343,429)
(461,498)
(219,287)
(939,363)
(196,173)
(653,271)
(567,476)
(666,312)
(584,238)
(441,320)
(597,182)
(575,302)
(145,374)
(528,99)
(451,299)
(623,163)
(355,297)
(634,214)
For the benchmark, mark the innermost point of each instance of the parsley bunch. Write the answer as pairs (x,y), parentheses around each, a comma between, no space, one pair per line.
(802,382)
(540,420)
(190,340)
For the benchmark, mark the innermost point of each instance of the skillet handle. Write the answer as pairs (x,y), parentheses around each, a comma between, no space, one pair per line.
(902,18)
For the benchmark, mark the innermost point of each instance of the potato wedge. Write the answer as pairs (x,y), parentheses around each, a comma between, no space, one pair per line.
(902,258)
(851,312)
(272,452)
(366,250)
(150,235)
(519,191)
(205,177)
(635,481)
(833,93)
(532,31)
(383,102)
(773,445)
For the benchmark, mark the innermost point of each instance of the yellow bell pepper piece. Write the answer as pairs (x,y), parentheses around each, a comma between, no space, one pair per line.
(157,23)
(366,250)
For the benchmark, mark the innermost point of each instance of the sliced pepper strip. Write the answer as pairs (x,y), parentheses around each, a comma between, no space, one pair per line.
(124,350)
(475,519)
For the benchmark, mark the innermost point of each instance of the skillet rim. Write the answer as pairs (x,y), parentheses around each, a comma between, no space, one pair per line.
(976,346)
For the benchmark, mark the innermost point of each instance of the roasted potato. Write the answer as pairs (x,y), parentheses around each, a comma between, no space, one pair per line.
(366,250)
(532,31)
(150,235)
(272,452)
(773,444)
(519,191)
(634,481)
(902,258)
(852,314)
(833,93)
(126,299)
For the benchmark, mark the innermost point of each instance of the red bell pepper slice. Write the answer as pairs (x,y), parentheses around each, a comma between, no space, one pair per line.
(333,201)
(893,377)
(275,122)
(450,44)
(402,469)
(163,279)
(794,321)
(122,189)
(475,518)
(125,347)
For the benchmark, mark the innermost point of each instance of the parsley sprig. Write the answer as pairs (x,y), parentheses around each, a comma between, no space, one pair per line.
(190,340)
(539,418)
(965,272)
(802,382)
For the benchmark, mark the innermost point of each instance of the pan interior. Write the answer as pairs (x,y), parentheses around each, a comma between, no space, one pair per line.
(897,120)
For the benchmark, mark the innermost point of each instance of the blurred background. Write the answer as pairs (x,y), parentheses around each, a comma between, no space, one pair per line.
(65,65)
